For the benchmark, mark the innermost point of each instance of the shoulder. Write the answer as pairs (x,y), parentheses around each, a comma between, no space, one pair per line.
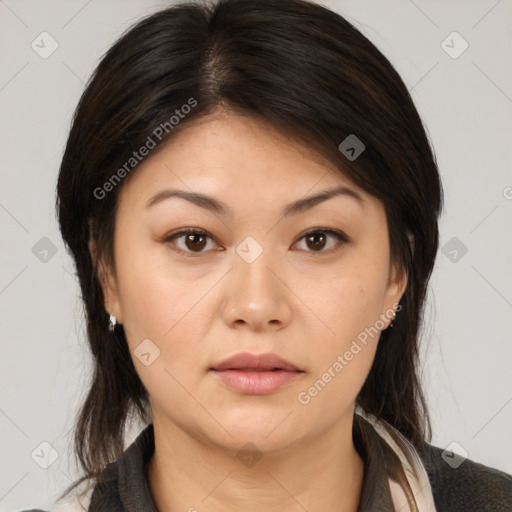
(464,485)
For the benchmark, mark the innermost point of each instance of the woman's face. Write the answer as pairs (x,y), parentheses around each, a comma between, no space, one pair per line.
(250,280)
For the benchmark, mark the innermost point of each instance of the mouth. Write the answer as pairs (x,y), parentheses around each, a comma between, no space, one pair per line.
(254,374)
(252,369)
(245,361)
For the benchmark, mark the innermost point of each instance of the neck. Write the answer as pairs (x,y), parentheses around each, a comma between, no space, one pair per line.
(189,474)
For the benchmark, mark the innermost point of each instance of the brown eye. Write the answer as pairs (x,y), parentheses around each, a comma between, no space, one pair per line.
(190,241)
(317,240)
(194,241)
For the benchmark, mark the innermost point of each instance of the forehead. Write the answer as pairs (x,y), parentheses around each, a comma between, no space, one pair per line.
(234,155)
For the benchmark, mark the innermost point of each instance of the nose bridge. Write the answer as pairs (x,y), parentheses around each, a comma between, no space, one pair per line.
(255,295)
(252,264)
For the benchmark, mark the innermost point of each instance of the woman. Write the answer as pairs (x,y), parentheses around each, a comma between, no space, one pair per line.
(252,201)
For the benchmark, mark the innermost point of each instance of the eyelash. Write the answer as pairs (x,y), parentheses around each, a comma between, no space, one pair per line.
(341,237)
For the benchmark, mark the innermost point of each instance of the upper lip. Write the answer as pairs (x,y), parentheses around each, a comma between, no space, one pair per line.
(255,361)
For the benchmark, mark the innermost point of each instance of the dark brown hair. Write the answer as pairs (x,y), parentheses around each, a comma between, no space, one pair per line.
(316,78)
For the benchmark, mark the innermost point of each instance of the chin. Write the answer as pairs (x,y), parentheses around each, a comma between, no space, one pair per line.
(266,429)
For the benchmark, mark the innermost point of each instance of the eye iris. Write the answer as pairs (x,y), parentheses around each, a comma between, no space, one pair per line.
(315,238)
(193,238)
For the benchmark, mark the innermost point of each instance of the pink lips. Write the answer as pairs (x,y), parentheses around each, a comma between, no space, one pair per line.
(255,374)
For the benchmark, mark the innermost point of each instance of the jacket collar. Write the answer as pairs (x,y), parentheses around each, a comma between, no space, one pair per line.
(124,485)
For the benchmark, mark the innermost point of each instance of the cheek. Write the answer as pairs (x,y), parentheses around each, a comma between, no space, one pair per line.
(172,310)
(163,319)
(152,296)
(155,307)
(349,305)
(350,299)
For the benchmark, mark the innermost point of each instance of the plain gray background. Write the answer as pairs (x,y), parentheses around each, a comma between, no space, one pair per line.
(465,102)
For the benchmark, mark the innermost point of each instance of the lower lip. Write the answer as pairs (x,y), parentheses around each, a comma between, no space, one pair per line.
(256,383)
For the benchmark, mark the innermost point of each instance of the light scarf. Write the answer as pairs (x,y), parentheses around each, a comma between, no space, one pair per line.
(418,497)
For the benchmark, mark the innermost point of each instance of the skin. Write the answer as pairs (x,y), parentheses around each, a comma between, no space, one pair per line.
(304,301)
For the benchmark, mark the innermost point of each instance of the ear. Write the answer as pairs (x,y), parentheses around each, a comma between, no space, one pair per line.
(397,284)
(108,281)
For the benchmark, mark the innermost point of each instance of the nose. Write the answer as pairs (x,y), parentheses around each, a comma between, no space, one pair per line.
(256,295)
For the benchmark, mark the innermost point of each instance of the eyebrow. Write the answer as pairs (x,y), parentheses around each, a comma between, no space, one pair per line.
(221,208)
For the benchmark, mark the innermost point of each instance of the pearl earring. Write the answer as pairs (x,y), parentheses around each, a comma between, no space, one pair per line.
(112,323)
